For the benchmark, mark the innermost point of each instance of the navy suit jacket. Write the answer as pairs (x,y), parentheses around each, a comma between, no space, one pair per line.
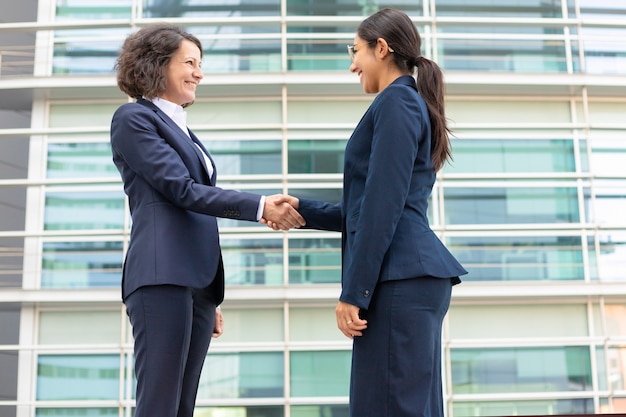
(388,177)
(173,202)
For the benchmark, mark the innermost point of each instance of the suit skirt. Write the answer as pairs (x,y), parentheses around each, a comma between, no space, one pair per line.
(396,364)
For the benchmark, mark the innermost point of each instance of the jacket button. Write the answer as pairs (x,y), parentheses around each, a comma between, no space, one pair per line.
(366,293)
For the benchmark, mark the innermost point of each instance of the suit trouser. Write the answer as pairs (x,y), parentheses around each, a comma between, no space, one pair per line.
(172,327)
(396,364)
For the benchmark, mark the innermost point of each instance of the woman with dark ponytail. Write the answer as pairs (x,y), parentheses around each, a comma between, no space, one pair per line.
(397,276)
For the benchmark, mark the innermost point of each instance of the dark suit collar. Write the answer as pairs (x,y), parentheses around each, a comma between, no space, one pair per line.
(407,80)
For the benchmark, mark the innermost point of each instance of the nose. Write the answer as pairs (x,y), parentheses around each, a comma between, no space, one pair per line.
(352,67)
(197,73)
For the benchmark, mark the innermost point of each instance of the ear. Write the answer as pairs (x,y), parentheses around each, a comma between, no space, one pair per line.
(382,48)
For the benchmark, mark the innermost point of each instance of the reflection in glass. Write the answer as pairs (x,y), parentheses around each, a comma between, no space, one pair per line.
(330,410)
(352,7)
(612,253)
(86,51)
(320,373)
(610,202)
(253,261)
(81,264)
(203,8)
(512,205)
(501,8)
(311,54)
(523,408)
(246,157)
(314,261)
(76,412)
(80,160)
(514,370)
(519,258)
(605,51)
(242,375)
(84,210)
(316,156)
(490,52)
(78,377)
(512,155)
(90,10)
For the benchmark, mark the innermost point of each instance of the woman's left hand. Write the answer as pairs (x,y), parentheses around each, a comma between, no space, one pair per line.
(218,329)
(348,320)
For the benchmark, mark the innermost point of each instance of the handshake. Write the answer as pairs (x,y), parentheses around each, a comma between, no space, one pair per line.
(281,212)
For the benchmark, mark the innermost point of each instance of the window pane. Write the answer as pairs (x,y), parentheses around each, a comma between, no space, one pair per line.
(351,7)
(332,410)
(522,408)
(517,258)
(236,113)
(315,324)
(514,370)
(511,155)
(612,262)
(320,374)
(501,8)
(470,205)
(86,51)
(78,377)
(253,261)
(75,115)
(81,264)
(610,201)
(76,412)
(90,10)
(82,210)
(245,157)
(605,52)
(316,156)
(77,327)
(203,8)
(251,325)
(242,375)
(80,160)
(518,321)
(314,261)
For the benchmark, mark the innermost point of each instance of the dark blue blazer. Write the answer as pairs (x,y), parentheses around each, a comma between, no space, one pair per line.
(388,177)
(173,202)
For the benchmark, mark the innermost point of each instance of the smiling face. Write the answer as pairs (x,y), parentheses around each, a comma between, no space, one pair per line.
(373,64)
(183,74)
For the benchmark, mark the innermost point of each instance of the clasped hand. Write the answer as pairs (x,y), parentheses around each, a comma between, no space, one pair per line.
(280,212)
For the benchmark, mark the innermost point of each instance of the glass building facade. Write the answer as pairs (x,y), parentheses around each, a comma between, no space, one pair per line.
(533,204)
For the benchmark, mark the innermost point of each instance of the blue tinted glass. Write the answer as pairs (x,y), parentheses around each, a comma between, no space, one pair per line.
(253,261)
(81,264)
(84,210)
(80,160)
(512,205)
(514,370)
(519,258)
(320,374)
(314,261)
(78,377)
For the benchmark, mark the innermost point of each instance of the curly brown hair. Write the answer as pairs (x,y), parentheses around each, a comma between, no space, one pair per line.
(142,62)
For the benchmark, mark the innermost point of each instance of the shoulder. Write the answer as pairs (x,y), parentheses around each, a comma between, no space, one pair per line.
(132,111)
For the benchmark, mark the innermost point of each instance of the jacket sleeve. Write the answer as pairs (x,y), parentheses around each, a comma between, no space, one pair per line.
(320,215)
(141,151)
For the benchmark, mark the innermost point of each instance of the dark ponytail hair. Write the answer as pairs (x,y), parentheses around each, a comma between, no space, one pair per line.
(397,29)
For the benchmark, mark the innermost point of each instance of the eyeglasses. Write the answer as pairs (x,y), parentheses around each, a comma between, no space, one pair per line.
(352,52)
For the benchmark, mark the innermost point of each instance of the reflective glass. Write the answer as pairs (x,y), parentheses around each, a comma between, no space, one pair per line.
(351,7)
(240,53)
(81,264)
(493,52)
(515,370)
(252,326)
(76,412)
(501,8)
(76,327)
(608,150)
(330,410)
(76,115)
(78,377)
(312,54)
(605,51)
(512,205)
(511,155)
(12,256)
(240,411)
(314,324)
(314,261)
(80,160)
(208,8)
(252,261)
(90,10)
(86,51)
(519,258)
(320,373)
(242,375)
(607,9)
(612,256)
(84,210)
(316,156)
(610,202)
(245,157)
(523,408)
